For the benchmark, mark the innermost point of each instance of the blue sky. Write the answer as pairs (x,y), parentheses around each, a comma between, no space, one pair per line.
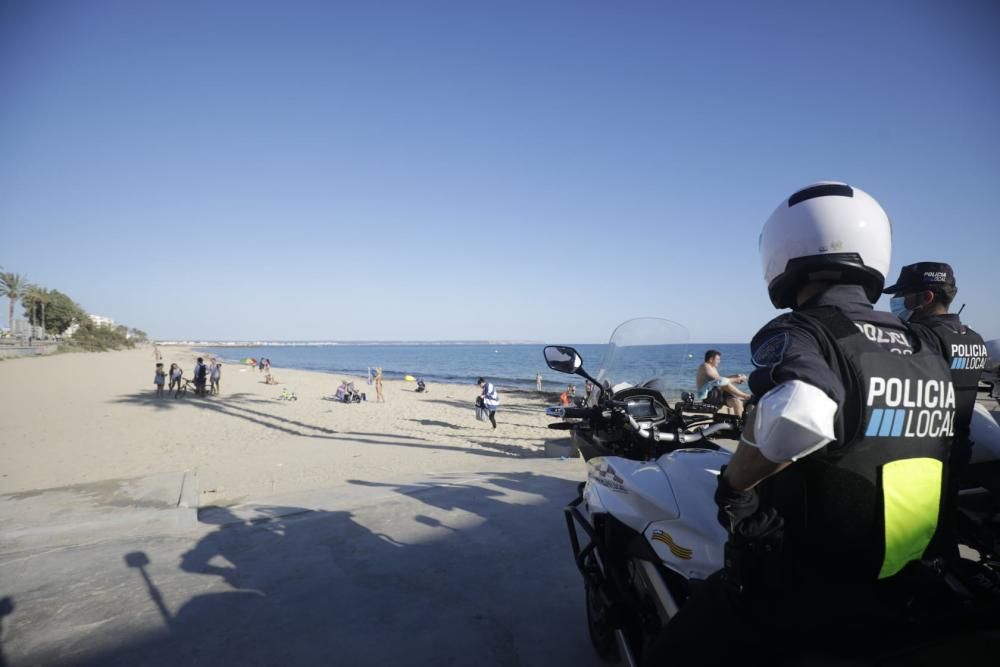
(479,170)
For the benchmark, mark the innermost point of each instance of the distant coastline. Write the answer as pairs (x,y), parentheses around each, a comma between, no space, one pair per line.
(321,343)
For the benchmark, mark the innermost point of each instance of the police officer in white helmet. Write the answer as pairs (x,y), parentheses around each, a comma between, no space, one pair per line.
(834,490)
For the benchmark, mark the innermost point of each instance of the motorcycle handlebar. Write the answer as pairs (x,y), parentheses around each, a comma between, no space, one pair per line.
(569,412)
(659,436)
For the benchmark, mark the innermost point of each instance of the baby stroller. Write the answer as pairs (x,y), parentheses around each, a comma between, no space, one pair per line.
(421,386)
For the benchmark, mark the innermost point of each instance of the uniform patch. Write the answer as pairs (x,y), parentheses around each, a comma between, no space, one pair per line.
(771,351)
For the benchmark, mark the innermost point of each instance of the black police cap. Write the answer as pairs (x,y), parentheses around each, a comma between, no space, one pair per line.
(921,276)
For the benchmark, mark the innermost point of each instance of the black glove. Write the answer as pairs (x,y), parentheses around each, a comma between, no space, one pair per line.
(734,506)
(753,555)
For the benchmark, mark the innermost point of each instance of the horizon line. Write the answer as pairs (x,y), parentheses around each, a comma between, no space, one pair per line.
(317,343)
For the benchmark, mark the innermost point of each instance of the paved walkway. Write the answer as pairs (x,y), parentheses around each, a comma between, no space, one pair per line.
(448,570)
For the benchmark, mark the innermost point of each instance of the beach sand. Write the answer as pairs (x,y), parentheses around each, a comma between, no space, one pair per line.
(83,417)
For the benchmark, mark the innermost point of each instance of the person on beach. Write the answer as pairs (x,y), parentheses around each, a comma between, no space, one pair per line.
(267,365)
(157,354)
(489,400)
(215,375)
(564,398)
(715,389)
(200,377)
(159,379)
(588,389)
(378,386)
(538,381)
(175,379)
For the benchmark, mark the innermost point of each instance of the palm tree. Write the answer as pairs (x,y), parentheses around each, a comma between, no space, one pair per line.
(12,286)
(30,299)
(43,298)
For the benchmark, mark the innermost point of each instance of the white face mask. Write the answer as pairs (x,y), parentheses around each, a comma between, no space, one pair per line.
(899,309)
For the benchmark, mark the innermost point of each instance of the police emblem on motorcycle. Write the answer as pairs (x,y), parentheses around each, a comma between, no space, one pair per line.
(681,552)
(605,475)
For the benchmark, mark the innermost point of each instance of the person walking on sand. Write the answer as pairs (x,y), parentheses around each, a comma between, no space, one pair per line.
(159,379)
(175,379)
(538,381)
(156,353)
(489,400)
(379,398)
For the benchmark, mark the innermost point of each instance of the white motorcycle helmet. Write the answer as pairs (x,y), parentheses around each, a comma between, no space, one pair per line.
(828,231)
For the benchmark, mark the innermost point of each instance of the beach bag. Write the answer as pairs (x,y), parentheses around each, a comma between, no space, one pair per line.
(481,414)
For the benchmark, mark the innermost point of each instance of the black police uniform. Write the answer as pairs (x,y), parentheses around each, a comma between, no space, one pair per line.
(851,509)
(838,525)
(965,352)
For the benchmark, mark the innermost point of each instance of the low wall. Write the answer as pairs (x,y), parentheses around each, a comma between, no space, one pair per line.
(12,351)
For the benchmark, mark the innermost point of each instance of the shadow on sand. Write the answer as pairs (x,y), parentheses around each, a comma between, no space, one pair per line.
(446,574)
(252,408)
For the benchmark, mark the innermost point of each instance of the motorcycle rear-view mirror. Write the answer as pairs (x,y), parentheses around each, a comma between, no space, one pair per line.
(563,359)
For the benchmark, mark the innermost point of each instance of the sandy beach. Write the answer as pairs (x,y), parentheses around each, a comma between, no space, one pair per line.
(75,418)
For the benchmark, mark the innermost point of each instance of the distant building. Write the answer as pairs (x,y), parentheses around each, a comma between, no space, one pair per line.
(102,321)
(24,329)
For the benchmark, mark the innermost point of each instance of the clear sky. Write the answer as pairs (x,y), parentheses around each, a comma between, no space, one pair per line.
(479,170)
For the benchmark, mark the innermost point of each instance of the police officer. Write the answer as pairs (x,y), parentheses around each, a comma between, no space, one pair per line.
(840,469)
(922,294)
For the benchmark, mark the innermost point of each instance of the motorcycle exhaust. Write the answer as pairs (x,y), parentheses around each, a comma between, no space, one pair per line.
(624,651)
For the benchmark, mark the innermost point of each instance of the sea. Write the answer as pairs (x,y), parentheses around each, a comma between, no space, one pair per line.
(508,366)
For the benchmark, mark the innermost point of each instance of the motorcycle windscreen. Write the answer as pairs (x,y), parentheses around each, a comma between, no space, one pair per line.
(648,352)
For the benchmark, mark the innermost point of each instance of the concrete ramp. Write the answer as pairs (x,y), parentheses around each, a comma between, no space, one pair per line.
(436,570)
(107,509)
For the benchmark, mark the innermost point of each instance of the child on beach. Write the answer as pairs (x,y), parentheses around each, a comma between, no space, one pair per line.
(159,379)
(215,374)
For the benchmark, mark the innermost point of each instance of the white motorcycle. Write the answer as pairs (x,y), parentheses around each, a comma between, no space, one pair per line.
(647,509)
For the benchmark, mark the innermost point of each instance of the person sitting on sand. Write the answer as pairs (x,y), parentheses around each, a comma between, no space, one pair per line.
(270,379)
(715,389)
(421,386)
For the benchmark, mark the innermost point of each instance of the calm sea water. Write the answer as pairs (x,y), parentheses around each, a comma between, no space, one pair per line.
(508,366)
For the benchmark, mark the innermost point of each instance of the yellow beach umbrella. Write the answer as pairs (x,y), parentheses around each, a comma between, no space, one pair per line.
(409,378)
